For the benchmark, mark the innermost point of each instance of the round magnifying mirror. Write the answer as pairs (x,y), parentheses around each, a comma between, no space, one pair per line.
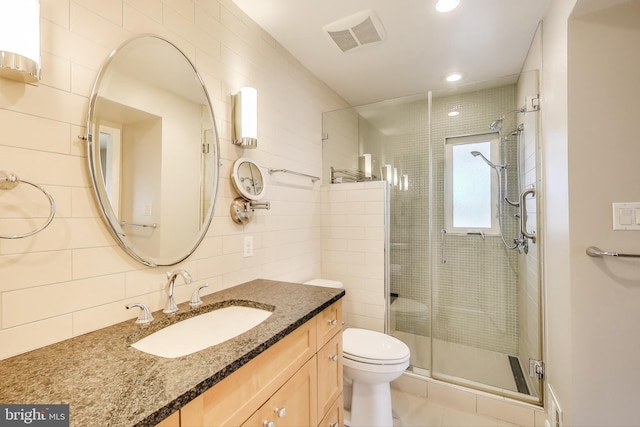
(248,179)
(153,150)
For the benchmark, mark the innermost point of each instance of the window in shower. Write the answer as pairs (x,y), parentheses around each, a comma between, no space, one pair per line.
(471,184)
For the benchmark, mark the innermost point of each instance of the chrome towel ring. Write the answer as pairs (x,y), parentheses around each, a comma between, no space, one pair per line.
(9,182)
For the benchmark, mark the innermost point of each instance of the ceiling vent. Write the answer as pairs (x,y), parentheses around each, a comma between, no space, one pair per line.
(357,30)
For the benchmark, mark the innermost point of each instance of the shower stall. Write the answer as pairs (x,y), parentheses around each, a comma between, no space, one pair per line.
(463,276)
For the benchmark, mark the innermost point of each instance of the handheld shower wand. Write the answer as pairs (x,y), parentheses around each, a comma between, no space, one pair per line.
(487,161)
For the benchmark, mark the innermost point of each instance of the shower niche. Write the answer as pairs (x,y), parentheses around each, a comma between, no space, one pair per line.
(463,281)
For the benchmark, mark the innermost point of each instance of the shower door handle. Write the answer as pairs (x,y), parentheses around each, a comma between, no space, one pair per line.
(523,214)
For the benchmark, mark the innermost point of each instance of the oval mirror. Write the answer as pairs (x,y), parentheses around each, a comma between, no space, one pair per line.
(153,150)
(248,179)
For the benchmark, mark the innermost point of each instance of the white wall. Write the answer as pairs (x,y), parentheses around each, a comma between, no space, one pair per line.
(603,153)
(589,109)
(72,277)
(554,199)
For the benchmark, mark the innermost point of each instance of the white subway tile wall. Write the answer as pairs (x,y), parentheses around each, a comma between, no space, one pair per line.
(353,249)
(72,277)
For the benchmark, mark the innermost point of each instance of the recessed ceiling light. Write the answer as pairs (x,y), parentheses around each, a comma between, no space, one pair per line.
(453,77)
(453,113)
(444,6)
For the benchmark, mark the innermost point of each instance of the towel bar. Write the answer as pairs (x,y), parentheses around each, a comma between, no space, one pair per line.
(597,252)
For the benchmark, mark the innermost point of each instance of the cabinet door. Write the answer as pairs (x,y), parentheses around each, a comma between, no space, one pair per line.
(329,322)
(335,415)
(293,405)
(235,398)
(329,373)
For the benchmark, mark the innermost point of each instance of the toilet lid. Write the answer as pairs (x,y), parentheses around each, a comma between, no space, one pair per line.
(364,344)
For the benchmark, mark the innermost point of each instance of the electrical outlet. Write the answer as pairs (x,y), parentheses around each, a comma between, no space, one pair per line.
(247,246)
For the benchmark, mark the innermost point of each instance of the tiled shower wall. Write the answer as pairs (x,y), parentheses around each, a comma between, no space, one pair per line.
(72,277)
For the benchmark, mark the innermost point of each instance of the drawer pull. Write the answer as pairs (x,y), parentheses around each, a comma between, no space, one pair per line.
(281,412)
(333,322)
(267,423)
(334,357)
(334,425)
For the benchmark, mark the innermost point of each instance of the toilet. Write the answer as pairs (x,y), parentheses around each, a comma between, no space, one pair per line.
(370,360)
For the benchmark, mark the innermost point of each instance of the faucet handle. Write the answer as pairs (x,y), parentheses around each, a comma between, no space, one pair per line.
(195,297)
(145,315)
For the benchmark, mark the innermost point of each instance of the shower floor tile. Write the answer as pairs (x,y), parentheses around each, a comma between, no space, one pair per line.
(457,361)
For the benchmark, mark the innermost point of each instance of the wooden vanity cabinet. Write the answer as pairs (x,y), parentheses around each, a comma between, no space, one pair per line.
(329,361)
(302,374)
(329,335)
(293,405)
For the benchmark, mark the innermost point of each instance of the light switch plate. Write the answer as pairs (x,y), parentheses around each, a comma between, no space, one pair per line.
(626,216)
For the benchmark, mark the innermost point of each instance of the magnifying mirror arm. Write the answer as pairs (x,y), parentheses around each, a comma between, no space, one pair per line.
(242,210)
(258,205)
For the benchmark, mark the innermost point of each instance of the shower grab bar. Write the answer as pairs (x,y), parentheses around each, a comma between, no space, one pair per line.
(595,251)
(523,214)
(311,177)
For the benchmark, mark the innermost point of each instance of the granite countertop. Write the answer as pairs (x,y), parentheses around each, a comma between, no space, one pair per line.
(106,382)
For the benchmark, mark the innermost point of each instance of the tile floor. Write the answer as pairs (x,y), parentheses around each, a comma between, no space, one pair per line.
(416,411)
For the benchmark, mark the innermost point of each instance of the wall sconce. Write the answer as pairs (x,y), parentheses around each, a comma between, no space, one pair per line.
(20,40)
(387,173)
(245,117)
(365,165)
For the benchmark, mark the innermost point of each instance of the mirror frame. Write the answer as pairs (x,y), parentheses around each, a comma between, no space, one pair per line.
(237,182)
(93,160)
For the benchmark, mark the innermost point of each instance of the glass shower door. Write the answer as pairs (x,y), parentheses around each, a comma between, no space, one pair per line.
(485,283)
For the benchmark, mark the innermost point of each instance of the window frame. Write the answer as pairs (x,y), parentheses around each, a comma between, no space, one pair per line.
(493,139)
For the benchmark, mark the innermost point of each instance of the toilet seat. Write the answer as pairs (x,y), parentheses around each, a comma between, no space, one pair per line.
(366,346)
(375,361)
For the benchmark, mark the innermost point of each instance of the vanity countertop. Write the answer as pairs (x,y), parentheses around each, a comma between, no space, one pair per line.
(106,382)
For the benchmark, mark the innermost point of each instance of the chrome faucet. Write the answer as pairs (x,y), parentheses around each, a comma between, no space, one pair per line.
(172,307)
(145,315)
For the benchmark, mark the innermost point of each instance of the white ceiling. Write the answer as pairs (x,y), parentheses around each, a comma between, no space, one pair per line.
(483,39)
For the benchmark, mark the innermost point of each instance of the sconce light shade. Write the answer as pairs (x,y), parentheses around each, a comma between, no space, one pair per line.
(245,117)
(20,40)
(365,165)
(388,173)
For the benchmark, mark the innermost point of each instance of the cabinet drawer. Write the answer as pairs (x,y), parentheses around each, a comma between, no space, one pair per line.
(329,373)
(335,415)
(293,405)
(329,322)
(235,398)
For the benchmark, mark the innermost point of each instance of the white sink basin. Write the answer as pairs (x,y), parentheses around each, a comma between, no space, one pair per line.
(202,331)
